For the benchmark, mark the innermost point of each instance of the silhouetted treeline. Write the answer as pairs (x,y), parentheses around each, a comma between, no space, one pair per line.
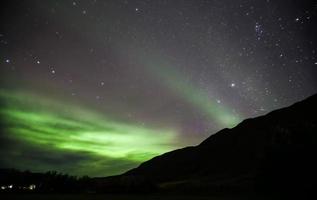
(12,180)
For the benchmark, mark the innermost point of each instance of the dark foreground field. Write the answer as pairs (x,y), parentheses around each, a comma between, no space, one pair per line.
(126,197)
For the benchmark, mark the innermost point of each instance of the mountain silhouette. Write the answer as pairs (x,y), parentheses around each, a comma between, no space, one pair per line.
(274,152)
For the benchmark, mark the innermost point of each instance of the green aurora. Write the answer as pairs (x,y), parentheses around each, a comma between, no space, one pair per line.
(97,145)
(46,124)
(172,79)
(165,73)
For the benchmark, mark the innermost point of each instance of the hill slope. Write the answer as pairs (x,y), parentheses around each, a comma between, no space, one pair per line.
(277,150)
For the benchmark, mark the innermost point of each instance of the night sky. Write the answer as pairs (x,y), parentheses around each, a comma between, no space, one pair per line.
(97,87)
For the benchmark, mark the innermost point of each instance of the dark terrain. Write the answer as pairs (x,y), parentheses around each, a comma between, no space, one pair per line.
(272,155)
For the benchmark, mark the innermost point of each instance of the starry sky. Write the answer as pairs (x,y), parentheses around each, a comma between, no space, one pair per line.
(97,87)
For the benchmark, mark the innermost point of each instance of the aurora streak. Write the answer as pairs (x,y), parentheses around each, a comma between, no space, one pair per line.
(195,96)
(44,122)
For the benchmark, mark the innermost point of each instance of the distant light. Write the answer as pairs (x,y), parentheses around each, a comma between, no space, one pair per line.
(102,83)
(10,186)
(218,101)
(38,62)
(232,85)
(7,61)
(3,187)
(32,187)
(53,71)
(137,9)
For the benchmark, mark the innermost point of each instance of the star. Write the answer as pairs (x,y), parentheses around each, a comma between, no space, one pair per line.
(262,109)
(258,30)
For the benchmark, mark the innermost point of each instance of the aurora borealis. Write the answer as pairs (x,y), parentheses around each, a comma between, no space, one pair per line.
(97,87)
(79,131)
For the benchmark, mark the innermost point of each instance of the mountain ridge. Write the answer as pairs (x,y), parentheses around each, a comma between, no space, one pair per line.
(275,151)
